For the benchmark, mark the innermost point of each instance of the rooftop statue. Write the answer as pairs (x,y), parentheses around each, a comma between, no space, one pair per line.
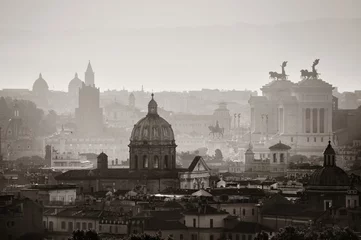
(279,76)
(305,74)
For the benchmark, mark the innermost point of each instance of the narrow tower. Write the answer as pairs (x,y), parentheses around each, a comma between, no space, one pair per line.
(89,76)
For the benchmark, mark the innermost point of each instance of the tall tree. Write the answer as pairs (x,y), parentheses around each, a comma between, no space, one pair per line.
(218,155)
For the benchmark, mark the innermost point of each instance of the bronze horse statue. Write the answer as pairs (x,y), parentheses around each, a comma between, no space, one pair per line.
(279,76)
(216,130)
(305,74)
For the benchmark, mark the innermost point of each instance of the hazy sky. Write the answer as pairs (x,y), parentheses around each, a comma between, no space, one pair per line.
(58,38)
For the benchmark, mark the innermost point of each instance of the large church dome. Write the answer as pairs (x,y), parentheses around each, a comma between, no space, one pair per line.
(40,85)
(330,174)
(75,84)
(152,129)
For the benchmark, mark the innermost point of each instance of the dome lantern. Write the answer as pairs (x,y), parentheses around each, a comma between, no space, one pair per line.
(152,106)
(329,156)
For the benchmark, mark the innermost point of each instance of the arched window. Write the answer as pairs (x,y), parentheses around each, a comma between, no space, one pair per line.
(145,161)
(51,226)
(166,163)
(156,162)
(136,162)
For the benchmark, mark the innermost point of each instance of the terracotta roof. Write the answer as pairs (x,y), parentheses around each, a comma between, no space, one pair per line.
(294,210)
(237,192)
(250,227)
(279,146)
(156,224)
(205,210)
(119,174)
(196,160)
(173,215)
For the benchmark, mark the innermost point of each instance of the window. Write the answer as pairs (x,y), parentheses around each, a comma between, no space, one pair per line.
(234,211)
(110,229)
(181,237)
(145,161)
(211,223)
(230,236)
(355,203)
(211,237)
(308,139)
(327,204)
(156,162)
(166,165)
(237,236)
(51,226)
(83,226)
(252,211)
(243,237)
(70,226)
(90,225)
(291,139)
(100,228)
(194,222)
(194,236)
(321,139)
(274,157)
(63,226)
(348,202)
(116,229)
(315,139)
(282,157)
(78,225)
(136,162)
(244,212)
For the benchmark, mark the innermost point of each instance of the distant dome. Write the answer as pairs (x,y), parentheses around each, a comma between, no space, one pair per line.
(40,85)
(75,84)
(152,128)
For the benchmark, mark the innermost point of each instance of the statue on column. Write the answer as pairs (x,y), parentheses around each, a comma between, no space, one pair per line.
(216,130)
(279,76)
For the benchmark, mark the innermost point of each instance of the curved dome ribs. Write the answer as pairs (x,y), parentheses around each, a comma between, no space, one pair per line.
(152,144)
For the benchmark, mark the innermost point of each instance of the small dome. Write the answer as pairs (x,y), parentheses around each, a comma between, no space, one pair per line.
(40,84)
(329,176)
(152,127)
(75,83)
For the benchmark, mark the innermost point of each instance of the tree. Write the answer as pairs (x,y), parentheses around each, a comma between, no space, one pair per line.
(262,236)
(218,155)
(326,233)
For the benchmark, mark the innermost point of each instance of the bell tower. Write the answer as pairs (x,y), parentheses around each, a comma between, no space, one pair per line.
(89,76)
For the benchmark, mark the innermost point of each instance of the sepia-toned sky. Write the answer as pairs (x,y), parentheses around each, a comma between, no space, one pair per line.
(171,45)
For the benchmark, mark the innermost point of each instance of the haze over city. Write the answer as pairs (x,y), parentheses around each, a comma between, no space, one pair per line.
(171,45)
(180,120)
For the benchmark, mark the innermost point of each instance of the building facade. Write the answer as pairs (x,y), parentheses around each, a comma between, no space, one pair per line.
(299,114)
